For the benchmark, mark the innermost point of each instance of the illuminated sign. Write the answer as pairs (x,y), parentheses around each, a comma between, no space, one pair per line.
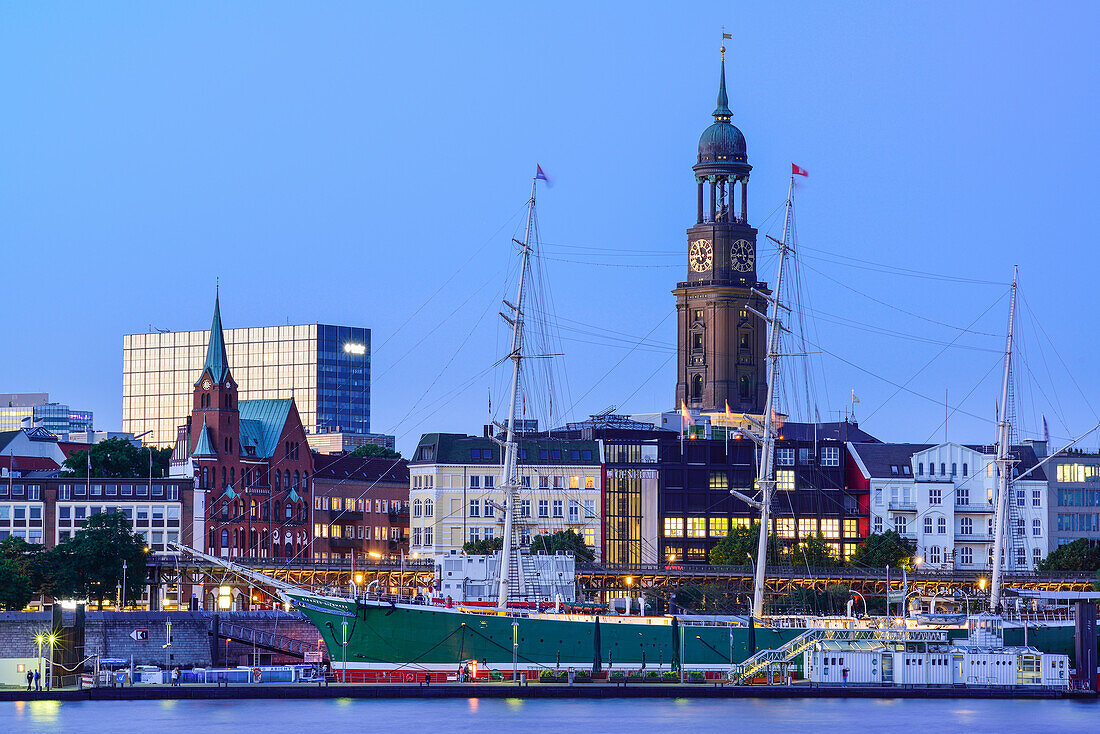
(353,348)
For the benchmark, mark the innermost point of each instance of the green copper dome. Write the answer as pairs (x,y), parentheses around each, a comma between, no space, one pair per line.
(722,141)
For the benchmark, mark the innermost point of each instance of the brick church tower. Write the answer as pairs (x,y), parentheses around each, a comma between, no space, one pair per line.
(721,343)
(251,459)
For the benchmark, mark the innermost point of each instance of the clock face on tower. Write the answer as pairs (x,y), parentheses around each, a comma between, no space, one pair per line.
(742,256)
(700,255)
(206,385)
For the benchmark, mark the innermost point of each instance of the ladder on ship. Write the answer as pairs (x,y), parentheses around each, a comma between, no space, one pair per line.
(745,671)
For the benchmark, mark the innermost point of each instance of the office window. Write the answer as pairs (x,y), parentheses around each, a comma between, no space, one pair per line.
(807,527)
(590,509)
(558,507)
(525,508)
(830,456)
(489,510)
(935,496)
(718,527)
(1036,498)
(719,480)
(674,527)
(784,527)
(1037,527)
(784,457)
(696,527)
(830,527)
(962,496)
(475,508)
(574,511)
(544,508)
(784,480)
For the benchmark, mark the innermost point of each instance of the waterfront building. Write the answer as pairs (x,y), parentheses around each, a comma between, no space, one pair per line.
(455,493)
(33,410)
(941,496)
(812,498)
(249,460)
(339,442)
(325,368)
(1074,507)
(48,510)
(720,343)
(360,507)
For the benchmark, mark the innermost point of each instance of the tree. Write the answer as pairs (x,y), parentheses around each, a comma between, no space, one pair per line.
(885,549)
(563,541)
(486,547)
(813,552)
(117,457)
(27,560)
(736,547)
(89,565)
(1080,555)
(372,449)
(15,588)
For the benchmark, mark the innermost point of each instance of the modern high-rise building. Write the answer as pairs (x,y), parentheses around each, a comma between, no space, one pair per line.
(326,369)
(34,409)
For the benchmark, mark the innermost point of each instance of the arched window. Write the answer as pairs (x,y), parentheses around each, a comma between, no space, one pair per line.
(418,507)
(1037,527)
(943,469)
(954,468)
(297,480)
(286,479)
(697,387)
(966,469)
(429,508)
(934,554)
(232,477)
(745,387)
(289,511)
(225,539)
(252,510)
(224,483)
(920,469)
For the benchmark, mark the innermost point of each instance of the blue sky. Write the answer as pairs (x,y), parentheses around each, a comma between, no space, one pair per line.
(351,163)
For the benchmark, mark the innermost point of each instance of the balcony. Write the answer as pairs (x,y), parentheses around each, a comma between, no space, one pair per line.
(400,516)
(903,506)
(985,508)
(973,538)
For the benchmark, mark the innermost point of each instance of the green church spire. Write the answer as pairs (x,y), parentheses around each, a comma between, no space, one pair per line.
(722,111)
(217,362)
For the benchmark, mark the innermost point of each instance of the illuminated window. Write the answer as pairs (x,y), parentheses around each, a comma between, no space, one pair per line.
(590,482)
(830,527)
(784,527)
(674,527)
(719,527)
(807,527)
(851,528)
(574,482)
(784,480)
(719,480)
(696,527)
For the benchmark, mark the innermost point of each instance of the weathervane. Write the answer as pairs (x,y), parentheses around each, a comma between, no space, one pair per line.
(724,37)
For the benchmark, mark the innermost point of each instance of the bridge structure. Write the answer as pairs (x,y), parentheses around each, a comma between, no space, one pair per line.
(606,580)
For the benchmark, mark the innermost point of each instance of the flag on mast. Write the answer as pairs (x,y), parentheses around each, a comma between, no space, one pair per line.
(540,175)
(797,170)
(854,398)
(685,415)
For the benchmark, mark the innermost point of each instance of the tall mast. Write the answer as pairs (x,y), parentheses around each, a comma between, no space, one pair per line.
(511,483)
(765,476)
(1004,463)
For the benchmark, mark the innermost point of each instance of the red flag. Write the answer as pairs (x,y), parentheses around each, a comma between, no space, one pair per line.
(685,415)
(797,170)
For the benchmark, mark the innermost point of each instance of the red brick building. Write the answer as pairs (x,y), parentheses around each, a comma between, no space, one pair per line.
(250,461)
(360,505)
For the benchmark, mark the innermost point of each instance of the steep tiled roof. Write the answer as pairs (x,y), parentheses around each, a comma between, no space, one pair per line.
(262,423)
(204,447)
(363,469)
(217,363)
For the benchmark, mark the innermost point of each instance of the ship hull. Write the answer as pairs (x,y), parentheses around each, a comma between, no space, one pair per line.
(367,639)
(427,638)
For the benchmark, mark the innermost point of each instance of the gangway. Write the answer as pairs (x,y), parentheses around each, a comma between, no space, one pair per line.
(763,659)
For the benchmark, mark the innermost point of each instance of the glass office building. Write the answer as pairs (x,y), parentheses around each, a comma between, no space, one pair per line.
(28,410)
(326,369)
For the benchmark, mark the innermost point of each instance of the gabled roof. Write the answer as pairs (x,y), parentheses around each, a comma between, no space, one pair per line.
(878,458)
(7,437)
(262,423)
(217,362)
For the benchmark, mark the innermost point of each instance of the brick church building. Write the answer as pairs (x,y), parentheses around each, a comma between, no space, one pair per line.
(251,464)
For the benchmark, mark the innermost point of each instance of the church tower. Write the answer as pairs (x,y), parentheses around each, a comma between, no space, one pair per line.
(721,343)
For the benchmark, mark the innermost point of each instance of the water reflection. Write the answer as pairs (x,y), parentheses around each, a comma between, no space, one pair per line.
(508,716)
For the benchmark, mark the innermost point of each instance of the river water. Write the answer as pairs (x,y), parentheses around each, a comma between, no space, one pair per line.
(502,716)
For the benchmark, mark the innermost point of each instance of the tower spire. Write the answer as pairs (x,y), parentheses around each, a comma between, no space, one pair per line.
(722,111)
(217,362)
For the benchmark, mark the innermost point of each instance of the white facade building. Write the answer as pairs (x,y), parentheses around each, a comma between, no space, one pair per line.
(942,497)
(455,494)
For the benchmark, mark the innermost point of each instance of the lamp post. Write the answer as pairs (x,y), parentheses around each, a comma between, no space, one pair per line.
(49,670)
(123,595)
(40,639)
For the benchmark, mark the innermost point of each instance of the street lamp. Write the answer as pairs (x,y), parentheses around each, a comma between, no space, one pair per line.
(49,670)
(40,639)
